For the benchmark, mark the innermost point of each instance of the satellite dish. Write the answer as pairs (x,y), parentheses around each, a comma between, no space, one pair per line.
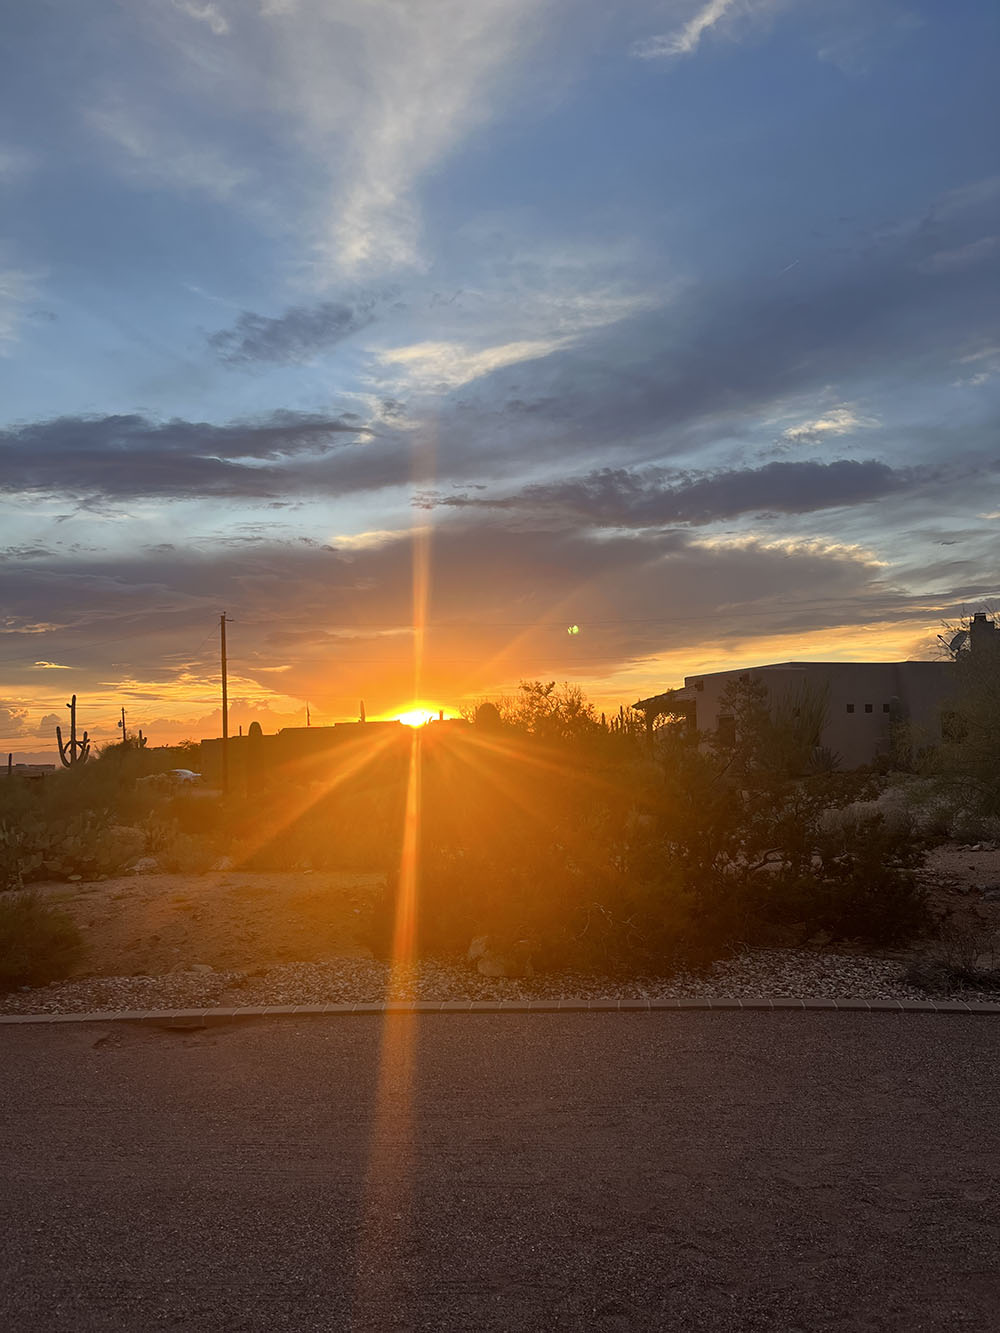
(958,641)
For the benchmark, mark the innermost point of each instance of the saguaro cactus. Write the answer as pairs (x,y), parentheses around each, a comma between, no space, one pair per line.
(73,752)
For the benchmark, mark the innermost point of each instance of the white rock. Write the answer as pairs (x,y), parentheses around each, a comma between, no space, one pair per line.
(146,865)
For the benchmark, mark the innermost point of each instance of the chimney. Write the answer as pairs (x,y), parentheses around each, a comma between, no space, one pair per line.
(984,637)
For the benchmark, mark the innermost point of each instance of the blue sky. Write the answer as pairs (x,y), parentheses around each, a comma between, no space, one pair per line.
(676,321)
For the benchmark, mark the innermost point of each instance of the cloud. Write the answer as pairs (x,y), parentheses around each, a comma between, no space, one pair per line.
(838,421)
(13,720)
(646,498)
(988,361)
(500,597)
(133,456)
(205,13)
(962,257)
(436,367)
(686,39)
(17,288)
(652,603)
(359,101)
(721,353)
(296,337)
(166,158)
(51,666)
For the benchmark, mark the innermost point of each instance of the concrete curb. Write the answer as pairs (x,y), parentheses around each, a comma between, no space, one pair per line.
(193,1018)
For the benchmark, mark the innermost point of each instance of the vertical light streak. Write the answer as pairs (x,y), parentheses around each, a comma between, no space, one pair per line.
(386,1220)
(385,1223)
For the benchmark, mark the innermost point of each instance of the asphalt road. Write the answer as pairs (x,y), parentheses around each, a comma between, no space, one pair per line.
(702,1171)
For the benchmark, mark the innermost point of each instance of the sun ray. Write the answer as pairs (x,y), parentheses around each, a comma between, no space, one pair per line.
(384,1225)
(350,760)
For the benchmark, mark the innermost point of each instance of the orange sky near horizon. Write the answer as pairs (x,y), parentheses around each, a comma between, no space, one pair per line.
(188,709)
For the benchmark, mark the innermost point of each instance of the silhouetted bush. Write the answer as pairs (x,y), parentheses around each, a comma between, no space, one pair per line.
(38,943)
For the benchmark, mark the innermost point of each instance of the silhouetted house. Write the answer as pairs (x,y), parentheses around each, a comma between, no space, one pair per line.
(28,770)
(862,700)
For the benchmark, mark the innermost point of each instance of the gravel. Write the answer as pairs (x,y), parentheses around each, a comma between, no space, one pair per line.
(797,973)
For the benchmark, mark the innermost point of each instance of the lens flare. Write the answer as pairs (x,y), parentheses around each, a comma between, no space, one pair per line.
(416,717)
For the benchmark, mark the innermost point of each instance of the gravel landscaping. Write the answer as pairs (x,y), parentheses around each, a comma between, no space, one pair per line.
(248,939)
(796,973)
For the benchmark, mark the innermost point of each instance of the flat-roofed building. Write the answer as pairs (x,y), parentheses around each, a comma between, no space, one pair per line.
(863,700)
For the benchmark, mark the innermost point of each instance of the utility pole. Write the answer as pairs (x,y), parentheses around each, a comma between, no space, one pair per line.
(225,707)
(122,725)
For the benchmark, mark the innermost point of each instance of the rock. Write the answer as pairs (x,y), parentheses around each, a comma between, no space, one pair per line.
(146,865)
(820,939)
(74,879)
(516,962)
(200,967)
(992,894)
(478,947)
(223,863)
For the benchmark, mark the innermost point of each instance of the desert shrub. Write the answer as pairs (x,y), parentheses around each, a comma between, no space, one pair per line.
(974,826)
(965,952)
(38,943)
(89,821)
(18,857)
(943,808)
(86,844)
(641,862)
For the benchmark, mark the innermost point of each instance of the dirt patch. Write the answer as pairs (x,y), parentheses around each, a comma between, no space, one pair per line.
(242,921)
(158,923)
(966,867)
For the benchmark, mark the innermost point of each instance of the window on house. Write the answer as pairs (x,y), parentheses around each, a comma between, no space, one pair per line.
(725,731)
(885,708)
(868,708)
(850,708)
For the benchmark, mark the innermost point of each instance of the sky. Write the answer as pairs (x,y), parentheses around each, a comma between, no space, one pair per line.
(412,333)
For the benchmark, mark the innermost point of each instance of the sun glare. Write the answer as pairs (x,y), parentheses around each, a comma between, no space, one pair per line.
(420,716)
(416,717)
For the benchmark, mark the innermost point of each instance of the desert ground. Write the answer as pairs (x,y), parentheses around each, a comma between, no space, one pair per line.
(156,924)
(153,924)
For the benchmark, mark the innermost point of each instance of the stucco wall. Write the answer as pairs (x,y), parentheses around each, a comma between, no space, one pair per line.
(913,691)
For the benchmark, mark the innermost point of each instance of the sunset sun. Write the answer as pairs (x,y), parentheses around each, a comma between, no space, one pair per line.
(416,717)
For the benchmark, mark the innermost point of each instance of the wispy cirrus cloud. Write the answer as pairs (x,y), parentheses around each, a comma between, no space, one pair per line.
(362,100)
(207,13)
(685,39)
(166,158)
(962,256)
(437,367)
(18,287)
